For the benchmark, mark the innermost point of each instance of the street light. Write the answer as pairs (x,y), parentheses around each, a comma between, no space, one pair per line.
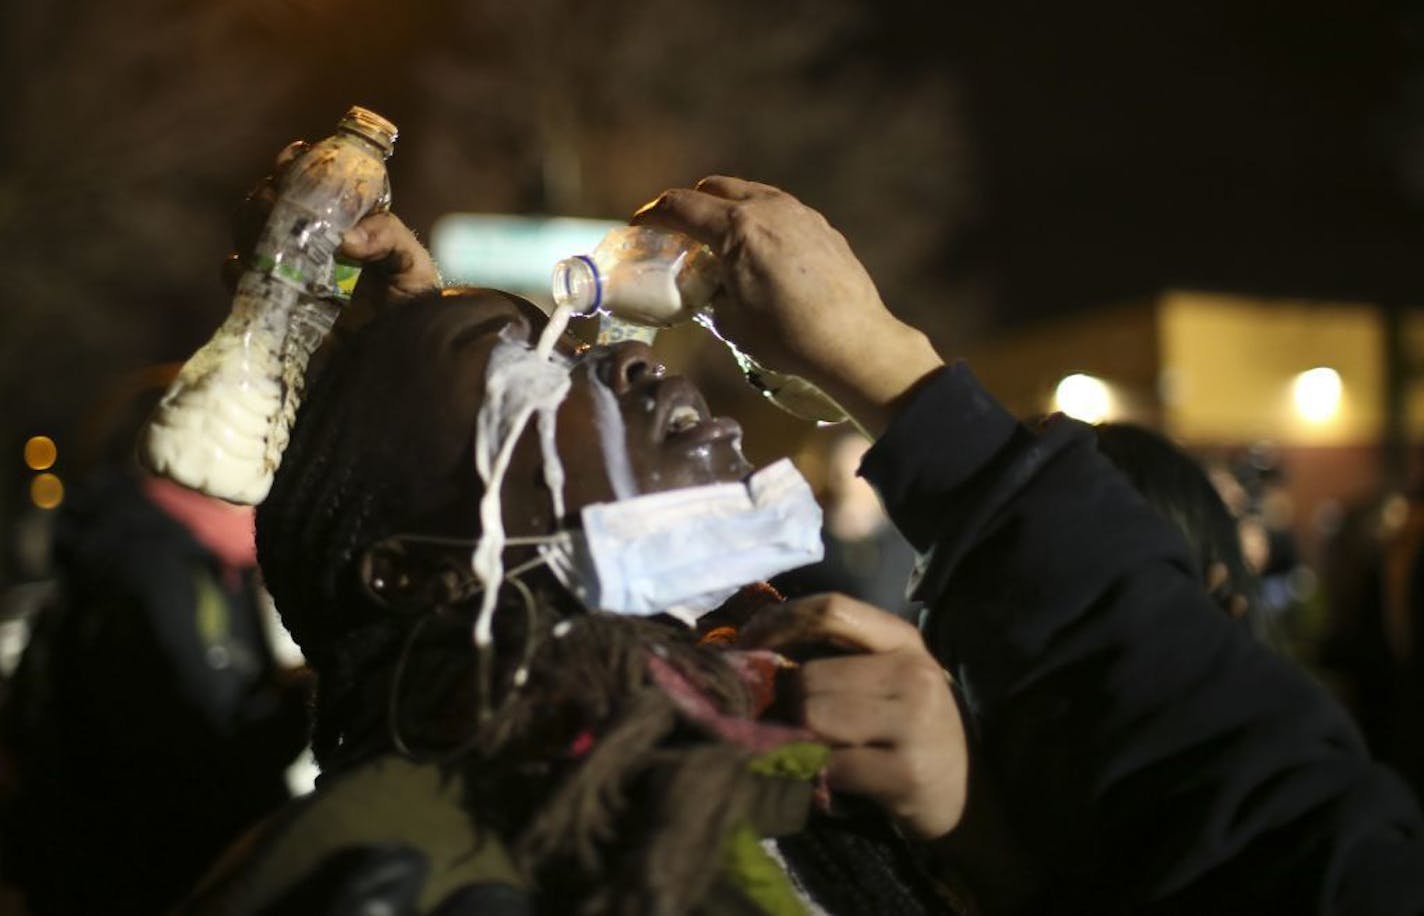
(1084,397)
(1317,394)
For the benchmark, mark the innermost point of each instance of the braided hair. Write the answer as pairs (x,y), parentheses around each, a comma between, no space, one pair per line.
(374,452)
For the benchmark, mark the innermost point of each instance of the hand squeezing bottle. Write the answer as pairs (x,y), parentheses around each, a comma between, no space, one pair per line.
(639,279)
(223,423)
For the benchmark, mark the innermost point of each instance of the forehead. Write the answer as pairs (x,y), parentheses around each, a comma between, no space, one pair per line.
(471,315)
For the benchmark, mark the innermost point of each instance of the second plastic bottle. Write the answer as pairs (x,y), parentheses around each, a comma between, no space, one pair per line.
(223,423)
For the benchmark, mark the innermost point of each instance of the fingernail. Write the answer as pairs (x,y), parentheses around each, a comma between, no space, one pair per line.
(649,206)
(355,237)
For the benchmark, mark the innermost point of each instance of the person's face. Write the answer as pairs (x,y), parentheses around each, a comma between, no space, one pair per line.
(625,428)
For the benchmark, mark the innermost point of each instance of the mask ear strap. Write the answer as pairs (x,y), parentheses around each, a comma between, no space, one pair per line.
(484,673)
(434,540)
(521,674)
(393,698)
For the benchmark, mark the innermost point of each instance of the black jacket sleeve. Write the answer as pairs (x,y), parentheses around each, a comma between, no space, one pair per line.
(1151,755)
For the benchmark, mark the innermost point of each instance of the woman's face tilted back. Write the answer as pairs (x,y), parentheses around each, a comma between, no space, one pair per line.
(384,445)
(626,427)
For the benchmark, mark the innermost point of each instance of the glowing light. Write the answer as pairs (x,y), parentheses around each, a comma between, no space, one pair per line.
(1394,513)
(40,453)
(1317,394)
(1084,397)
(46,491)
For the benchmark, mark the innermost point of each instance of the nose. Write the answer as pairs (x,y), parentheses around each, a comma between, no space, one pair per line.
(627,363)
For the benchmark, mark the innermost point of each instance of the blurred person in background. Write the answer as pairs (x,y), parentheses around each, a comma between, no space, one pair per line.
(1290,601)
(1173,483)
(1355,656)
(147,723)
(866,557)
(1404,629)
(1373,581)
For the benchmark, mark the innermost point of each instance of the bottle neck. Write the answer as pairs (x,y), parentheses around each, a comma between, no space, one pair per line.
(578,285)
(372,144)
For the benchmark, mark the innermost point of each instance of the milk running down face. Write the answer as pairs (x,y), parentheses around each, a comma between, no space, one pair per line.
(613,420)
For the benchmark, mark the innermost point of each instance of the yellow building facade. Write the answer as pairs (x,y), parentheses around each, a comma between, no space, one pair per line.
(1220,372)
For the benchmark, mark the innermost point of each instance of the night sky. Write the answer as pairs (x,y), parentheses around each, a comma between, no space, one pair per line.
(1272,147)
(993,163)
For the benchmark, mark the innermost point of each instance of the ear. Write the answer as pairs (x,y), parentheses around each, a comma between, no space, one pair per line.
(410,578)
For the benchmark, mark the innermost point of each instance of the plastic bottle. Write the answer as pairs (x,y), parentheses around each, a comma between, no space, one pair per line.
(223,423)
(640,278)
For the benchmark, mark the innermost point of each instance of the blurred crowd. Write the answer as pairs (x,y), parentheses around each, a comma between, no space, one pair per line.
(155,707)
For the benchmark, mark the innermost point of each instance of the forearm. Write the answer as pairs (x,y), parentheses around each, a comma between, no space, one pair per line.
(874,381)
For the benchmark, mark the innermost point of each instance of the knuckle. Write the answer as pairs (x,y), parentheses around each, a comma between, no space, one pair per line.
(901,777)
(923,678)
(817,713)
(740,217)
(918,772)
(671,199)
(908,631)
(838,605)
(816,608)
(811,675)
(383,221)
(745,220)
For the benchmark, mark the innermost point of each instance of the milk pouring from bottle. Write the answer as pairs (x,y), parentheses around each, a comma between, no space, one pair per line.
(639,279)
(223,423)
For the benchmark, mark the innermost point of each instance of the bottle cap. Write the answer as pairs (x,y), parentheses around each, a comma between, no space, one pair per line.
(372,126)
(578,285)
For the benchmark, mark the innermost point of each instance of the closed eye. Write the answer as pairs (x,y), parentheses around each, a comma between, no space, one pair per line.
(489,326)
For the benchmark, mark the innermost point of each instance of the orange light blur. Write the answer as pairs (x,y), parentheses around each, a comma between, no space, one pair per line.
(40,453)
(46,491)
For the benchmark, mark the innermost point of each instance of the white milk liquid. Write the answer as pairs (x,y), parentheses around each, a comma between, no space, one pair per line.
(646,292)
(519,384)
(213,430)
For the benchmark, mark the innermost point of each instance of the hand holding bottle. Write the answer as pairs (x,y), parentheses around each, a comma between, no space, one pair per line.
(395,266)
(795,296)
(223,423)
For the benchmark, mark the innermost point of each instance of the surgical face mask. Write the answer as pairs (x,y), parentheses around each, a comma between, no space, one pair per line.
(684,552)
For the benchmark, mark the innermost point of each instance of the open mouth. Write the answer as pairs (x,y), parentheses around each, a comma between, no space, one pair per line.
(681,419)
(682,416)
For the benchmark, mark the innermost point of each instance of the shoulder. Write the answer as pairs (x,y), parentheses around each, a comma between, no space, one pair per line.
(387,827)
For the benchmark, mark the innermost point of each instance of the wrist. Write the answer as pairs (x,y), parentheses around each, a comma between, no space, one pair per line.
(885,372)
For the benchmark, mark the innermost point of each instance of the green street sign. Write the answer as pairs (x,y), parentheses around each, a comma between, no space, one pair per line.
(514,253)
